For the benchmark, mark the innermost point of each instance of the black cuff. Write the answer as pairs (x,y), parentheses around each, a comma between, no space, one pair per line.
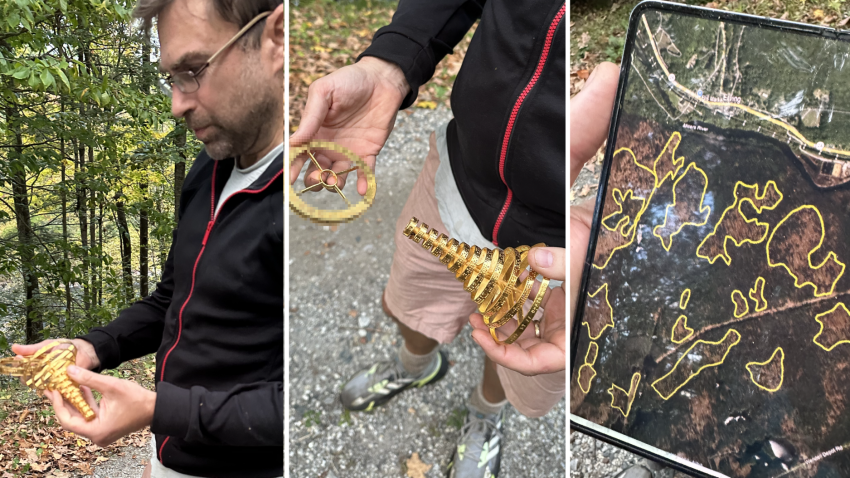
(173,407)
(105,347)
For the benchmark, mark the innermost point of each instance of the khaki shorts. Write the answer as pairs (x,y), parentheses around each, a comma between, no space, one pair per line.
(425,296)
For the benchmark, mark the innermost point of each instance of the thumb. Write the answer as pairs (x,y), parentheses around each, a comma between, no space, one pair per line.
(315,112)
(549,261)
(87,377)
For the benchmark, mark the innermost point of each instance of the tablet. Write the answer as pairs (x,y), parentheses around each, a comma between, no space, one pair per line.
(713,325)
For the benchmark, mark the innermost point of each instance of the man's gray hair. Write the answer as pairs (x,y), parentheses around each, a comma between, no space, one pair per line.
(238,12)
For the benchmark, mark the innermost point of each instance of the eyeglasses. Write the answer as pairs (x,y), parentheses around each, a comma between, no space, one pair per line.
(187,81)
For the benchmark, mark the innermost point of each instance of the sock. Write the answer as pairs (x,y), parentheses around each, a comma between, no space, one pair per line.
(479,403)
(416,364)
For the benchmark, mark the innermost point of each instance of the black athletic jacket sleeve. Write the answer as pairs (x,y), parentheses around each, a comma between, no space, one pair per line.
(421,33)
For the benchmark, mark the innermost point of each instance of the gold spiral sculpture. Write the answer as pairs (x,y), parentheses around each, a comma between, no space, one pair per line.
(46,370)
(493,277)
(331,216)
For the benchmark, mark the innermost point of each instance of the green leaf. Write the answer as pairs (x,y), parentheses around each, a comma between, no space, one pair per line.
(21,72)
(63,78)
(63,5)
(47,79)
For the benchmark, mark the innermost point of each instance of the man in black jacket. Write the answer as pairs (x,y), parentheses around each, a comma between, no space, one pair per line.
(495,176)
(215,320)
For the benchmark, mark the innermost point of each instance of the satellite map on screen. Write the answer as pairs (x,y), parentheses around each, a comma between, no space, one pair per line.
(716,321)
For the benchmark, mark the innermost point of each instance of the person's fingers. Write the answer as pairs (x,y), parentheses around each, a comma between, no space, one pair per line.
(101,383)
(549,261)
(62,410)
(362,181)
(315,112)
(590,115)
(89,398)
(581,217)
(25,350)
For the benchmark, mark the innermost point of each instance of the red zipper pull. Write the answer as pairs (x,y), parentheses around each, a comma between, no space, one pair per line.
(207,234)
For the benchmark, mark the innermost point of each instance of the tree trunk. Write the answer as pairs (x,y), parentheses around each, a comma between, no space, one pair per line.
(126,249)
(26,236)
(79,176)
(66,263)
(100,247)
(94,260)
(143,242)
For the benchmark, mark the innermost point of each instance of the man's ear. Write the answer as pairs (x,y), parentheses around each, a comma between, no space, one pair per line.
(273,40)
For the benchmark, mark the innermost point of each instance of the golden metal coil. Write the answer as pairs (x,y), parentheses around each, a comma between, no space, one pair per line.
(46,370)
(492,277)
(331,216)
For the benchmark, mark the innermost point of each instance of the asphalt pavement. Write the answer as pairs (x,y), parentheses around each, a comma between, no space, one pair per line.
(337,328)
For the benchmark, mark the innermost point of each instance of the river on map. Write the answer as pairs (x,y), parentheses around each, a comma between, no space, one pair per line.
(720,418)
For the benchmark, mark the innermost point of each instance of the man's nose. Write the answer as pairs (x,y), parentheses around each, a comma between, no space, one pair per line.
(181,103)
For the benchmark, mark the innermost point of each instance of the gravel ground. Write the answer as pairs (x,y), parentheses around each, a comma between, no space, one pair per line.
(130,464)
(337,328)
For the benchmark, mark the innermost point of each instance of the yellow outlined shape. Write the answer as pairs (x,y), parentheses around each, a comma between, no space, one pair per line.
(588,365)
(677,164)
(822,325)
(740,199)
(704,211)
(729,332)
(620,199)
(610,314)
(736,302)
(684,298)
(629,396)
(831,254)
(757,294)
(683,319)
(781,369)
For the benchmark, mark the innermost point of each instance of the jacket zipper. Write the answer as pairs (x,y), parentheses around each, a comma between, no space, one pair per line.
(198,259)
(512,120)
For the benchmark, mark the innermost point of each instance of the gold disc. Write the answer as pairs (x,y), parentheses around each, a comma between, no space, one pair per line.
(332,216)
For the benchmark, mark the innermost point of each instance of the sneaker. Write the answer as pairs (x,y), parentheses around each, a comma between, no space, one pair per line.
(375,386)
(479,451)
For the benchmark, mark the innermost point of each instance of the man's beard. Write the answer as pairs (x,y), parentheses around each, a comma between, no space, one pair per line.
(234,133)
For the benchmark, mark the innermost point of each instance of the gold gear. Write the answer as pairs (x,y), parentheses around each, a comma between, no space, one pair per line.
(322,216)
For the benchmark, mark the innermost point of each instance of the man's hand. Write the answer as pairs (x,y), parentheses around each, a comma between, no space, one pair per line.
(354,106)
(125,407)
(530,355)
(590,116)
(86,356)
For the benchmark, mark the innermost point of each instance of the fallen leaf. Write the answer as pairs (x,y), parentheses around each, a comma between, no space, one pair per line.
(352,313)
(584,40)
(712,5)
(572,195)
(784,16)
(411,411)
(583,74)
(818,14)
(32,455)
(584,191)
(843,22)
(415,467)
(23,415)
(426,104)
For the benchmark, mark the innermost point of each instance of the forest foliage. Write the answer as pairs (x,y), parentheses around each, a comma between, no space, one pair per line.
(91,164)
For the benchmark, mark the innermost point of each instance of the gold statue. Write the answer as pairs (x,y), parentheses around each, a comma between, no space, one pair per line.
(46,370)
(493,277)
(332,216)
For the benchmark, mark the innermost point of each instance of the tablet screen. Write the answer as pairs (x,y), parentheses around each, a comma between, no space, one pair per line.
(715,324)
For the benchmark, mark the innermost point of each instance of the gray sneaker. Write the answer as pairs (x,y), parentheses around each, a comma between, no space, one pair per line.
(379,383)
(479,451)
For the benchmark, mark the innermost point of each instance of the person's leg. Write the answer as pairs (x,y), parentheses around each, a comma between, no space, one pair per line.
(147,472)
(491,385)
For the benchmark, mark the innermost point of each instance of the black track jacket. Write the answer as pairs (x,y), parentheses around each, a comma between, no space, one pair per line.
(216,324)
(507,141)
